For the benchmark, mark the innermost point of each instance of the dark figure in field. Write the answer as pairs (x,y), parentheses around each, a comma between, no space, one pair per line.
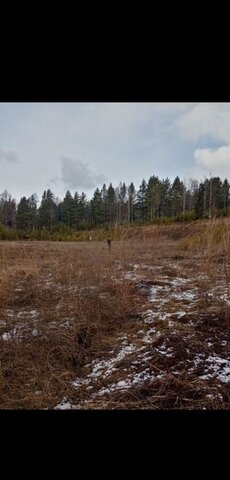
(109,243)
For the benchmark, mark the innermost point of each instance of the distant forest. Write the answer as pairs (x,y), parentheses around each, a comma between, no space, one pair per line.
(154,201)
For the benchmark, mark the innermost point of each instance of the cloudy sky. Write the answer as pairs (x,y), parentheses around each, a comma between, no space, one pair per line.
(79,146)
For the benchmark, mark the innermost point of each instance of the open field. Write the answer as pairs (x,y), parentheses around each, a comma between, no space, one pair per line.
(142,326)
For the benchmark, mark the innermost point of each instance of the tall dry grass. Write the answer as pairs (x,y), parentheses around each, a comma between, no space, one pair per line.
(210,248)
(60,306)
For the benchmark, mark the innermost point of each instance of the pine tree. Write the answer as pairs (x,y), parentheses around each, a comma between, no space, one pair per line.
(141,205)
(225,194)
(176,194)
(202,200)
(23,214)
(48,212)
(76,200)
(104,195)
(215,195)
(97,211)
(7,210)
(111,204)
(192,194)
(68,209)
(131,202)
(165,200)
(153,197)
(121,193)
(83,211)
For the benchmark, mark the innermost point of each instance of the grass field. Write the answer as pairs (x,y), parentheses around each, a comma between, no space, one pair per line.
(142,326)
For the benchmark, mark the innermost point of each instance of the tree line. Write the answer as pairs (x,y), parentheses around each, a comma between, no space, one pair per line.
(154,201)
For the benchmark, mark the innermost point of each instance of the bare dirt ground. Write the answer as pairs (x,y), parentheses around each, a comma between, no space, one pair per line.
(142,326)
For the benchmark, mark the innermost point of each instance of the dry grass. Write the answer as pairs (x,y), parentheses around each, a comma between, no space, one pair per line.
(79,309)
(65,306)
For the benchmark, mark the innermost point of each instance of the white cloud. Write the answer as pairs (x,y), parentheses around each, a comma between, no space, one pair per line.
(212,161)
(205,120)
(208,157)
(207,125)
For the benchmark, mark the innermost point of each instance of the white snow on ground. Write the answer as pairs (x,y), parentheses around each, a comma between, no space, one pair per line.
(202,277)
(9,312)
(28,314)
(215,367)
(218,367)
(148,337)
(163,351)
(133,276)
(142,358)
(104,368)
(188,295)
(179,281)
(122,385)
(162,294)
(180,313)
(173,290)
(156,289)
(198,359)
(18,332)
(22,313)
(10,335)
(129,382)
(65,324)
(174,287)
(65,405)
(213,397)
(22,328)
(150,316)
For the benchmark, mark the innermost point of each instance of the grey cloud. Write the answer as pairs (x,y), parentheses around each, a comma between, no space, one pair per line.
(9,156)
(76,174)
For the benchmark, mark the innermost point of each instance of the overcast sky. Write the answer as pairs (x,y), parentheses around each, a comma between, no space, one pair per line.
(79,146)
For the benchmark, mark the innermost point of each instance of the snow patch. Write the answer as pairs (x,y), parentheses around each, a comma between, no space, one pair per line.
(65,405)
(218,367)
